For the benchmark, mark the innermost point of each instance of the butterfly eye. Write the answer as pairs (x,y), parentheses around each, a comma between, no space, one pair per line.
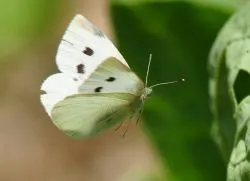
(88,51)
(111,79)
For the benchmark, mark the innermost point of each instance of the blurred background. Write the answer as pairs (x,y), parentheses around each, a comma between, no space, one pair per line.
(174,143)
(31,148)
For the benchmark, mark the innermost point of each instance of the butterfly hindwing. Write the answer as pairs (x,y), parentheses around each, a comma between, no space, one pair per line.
(83,115)
(56,88)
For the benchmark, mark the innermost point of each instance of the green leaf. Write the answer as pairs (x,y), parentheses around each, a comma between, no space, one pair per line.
(179,34)
(230,93)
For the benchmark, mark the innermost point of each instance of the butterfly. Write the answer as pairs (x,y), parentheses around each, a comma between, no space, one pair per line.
(95,88)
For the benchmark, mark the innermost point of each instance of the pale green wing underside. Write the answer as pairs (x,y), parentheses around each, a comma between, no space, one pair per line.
(123,80)
(83,115)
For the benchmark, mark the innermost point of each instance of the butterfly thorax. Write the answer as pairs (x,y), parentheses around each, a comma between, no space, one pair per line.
(146,92)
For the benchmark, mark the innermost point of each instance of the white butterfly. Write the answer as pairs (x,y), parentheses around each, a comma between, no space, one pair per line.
(95,88)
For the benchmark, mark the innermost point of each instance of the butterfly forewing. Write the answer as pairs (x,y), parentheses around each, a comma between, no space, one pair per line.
(84,46)
(112,76)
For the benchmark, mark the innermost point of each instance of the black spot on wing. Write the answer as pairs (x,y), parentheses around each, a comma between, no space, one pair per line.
(88,51)
(110,79)
(98,89)
(80,69)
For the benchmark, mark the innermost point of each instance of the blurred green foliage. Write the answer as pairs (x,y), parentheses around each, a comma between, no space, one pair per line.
(229,90)
(24,21)
(179,34)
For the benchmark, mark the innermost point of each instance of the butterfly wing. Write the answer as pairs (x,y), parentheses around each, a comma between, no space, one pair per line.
(87,114)
(94,104)
(83,48)
(91,68)
(112,76)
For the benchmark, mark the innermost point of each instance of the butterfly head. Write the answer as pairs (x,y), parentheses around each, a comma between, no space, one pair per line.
(146,93)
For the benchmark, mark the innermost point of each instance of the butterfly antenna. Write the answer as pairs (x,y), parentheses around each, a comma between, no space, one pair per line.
(149,62)
(165,83)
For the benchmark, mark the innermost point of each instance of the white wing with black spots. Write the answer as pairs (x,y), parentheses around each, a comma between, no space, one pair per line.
(83,48)
(95,87)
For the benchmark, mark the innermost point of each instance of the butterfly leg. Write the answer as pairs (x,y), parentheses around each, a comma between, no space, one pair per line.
(124,134)
(119,126)
(138,120)
(139,116)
